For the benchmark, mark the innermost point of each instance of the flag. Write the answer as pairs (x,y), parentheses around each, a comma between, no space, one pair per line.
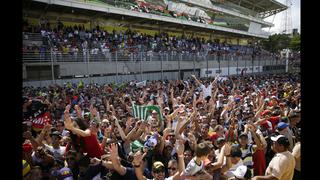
(142,112)
(41,120)
(69,85)
(80,84)
(141,84)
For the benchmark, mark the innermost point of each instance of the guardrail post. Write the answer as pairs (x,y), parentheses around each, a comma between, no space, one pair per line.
(259,64)
(252,63)
(180,58)
(194,65)
(207,66)
(116,56)
(52,68)
(229,58)
(237,64)
(140,66)
(162,67)
(219,58)
(87,61)
(245,65)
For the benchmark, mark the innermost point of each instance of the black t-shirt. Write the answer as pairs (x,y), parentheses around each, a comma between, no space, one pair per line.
(130,174)
(181,86)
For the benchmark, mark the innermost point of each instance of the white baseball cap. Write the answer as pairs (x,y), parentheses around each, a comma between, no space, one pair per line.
(240,172)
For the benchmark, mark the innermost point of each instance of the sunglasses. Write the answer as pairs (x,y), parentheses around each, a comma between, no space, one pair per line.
(172,169)
(158,171)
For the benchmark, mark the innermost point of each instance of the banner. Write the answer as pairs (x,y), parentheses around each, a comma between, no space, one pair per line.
(41,120)
(142,112)
(141,84)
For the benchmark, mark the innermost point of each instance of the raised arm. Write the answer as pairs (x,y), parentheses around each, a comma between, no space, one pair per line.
(138,165)
(106,135)
(257,115)
(228,164)
(181,165)
(43,134)
(69,125)
(215,79)
(121,132)
(78,110)
(257,140)
(115,159)
(196,80)
(107,104)
(218,164)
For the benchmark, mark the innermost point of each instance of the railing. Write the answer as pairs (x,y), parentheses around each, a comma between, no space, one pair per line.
(32,36)
(121,55)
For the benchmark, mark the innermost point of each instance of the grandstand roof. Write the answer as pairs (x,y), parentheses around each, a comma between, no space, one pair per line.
(265,8)
(107,9)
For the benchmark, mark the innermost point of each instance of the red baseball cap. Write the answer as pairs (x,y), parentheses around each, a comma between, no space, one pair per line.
(27,147)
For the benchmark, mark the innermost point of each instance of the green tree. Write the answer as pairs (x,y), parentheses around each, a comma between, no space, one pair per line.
(276,42)
(295,43)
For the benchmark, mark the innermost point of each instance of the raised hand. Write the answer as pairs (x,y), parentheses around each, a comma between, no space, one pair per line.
(191,137)
(94,161)
(68,123)
(107,132)
(171,90)
(179,147)
(68,107)
(138,157)
(114,151)
(166,132)
(227,148)
(47,127)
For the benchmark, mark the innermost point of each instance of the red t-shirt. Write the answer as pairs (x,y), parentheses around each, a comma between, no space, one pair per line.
(259,162)
(274,121)
(92,146)
(213,137)
(267,124)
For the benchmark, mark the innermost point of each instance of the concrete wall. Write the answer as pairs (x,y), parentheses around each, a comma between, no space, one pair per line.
(82,68)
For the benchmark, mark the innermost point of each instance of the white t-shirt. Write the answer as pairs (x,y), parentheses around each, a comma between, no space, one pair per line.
(57,153)
(296,152)
(192,168)
(35,159)
(229,174)
(168,178)
(206,90)
(282,166)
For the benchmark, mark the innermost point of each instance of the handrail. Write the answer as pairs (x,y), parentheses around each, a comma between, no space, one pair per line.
(58,56)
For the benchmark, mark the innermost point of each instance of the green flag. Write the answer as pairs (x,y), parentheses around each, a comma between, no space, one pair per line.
(80,84)
(142,112)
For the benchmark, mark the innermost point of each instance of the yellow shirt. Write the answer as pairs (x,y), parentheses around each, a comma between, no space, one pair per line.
(282,166)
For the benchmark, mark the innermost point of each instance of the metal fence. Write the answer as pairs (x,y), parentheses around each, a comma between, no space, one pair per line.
(123,55)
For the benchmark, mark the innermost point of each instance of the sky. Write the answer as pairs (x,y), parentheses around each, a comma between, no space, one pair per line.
(295,14)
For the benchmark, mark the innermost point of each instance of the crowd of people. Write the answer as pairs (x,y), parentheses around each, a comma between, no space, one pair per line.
(77,40)
(241,127)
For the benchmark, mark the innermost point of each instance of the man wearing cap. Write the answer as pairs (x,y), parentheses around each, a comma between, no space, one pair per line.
(57,150)
(282,128)
(282,165)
